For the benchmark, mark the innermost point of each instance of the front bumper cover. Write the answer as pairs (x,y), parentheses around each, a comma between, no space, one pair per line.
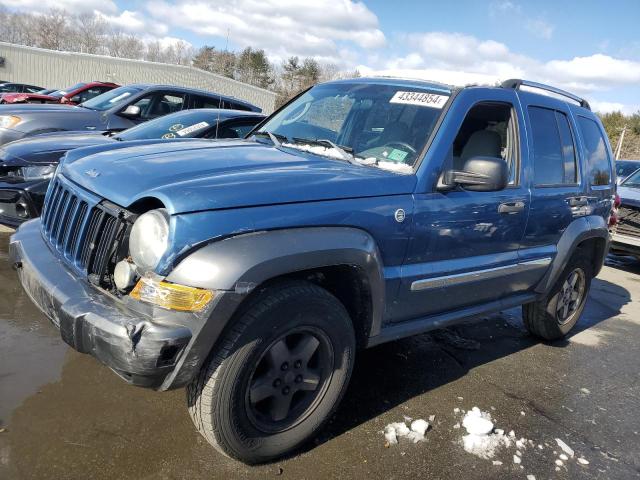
(137,347)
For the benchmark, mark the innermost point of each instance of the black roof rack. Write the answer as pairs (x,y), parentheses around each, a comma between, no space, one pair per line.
(516,83)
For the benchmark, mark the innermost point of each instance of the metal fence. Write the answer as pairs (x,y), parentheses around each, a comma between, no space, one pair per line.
(53,69)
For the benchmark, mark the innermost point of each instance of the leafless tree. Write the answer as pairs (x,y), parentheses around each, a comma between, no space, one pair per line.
(90,31)
(52,30)
(125,45)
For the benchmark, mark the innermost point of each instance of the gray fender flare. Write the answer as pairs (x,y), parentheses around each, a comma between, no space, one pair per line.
(237,265)
(578,231)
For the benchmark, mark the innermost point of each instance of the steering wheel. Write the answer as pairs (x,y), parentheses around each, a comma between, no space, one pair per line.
(404,145)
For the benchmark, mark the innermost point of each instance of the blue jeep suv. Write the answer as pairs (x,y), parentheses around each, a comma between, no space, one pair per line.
(363,211)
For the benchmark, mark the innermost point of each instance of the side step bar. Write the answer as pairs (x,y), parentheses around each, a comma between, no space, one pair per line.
(408,328)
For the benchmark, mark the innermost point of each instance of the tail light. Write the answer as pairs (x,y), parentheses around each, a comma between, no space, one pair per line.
(613,219)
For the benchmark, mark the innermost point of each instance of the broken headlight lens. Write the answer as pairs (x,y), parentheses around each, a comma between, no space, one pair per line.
(149,239)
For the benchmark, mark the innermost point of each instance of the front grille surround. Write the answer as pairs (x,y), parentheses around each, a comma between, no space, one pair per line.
(84,230)
(628,221)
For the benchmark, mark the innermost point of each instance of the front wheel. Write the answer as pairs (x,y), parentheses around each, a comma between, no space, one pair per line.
(278,375)
(555,315)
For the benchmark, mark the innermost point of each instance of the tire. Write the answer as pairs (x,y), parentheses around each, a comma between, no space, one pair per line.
(237,400)
(556,314)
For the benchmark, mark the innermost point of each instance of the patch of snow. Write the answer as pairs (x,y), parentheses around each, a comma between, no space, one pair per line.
(432,418)
(512,434)
(565,448)
(480,440)
(585,390)
(419,426)
(522,413)
(456,426)
(456,410)
(531,477)
(395,167)
(497,462)
(397,430)
(476,423)
(317,149)
(540,447)
(517,460)
(583,461)
(559,463)
(563,457)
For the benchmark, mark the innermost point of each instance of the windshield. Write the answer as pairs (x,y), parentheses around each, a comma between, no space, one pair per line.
(185,124)
(381,125)
(111,98)
(61,93)
(633,181)
(626,168)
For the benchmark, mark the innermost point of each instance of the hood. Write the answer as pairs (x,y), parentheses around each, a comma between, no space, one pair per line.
(52,113)
(47,149)
(629,195)
(21,97)
(208,175)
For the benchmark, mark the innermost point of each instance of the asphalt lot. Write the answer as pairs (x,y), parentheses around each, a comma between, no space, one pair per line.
(63,415)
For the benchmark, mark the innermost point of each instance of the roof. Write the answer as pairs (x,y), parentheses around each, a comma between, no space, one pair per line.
(153,86)
(399,82)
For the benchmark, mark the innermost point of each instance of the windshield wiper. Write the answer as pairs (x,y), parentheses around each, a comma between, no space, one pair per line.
(345,152)
(276,138)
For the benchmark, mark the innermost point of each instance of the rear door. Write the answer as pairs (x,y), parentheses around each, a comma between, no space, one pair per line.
(558,192)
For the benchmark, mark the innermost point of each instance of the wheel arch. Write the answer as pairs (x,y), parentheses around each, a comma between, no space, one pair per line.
(589,233)
(343,260)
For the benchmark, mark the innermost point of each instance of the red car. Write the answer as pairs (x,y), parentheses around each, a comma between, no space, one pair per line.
(74,95)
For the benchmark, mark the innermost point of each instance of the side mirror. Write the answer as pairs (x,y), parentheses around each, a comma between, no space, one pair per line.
(131,111)
(480,174)
(76,99)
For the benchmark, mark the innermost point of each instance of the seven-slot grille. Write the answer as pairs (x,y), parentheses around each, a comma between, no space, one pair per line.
(86,233)
(628,221)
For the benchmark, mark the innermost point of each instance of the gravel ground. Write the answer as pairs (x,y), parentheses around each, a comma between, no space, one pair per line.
(63,415)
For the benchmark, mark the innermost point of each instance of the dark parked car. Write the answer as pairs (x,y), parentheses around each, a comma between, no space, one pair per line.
(117,109)
(624,168)
(362,212)
(9,87)
(78,93)
(27,165)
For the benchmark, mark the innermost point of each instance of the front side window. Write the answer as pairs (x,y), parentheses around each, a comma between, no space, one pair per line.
(554,158)
(205,102)
(595,149)
(488,130)
(624,169)
(112,98)
(235,129)
(159,104)
(385,126)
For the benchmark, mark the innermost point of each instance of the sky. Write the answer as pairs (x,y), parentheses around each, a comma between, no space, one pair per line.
(589,47)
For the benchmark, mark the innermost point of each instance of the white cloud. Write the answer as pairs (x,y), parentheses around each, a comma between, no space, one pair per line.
(134,22)
(281,27)
(71,6)
(608,107)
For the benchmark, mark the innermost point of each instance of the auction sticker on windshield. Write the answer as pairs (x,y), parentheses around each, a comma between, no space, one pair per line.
(421,99)
(192,128)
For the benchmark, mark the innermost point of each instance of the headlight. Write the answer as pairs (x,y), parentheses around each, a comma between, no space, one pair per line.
(149,238)
(9,121)
(34,173)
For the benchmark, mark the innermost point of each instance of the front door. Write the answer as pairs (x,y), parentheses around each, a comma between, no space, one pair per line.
(464,248)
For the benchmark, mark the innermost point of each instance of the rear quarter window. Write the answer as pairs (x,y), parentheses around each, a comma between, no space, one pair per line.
(595,152)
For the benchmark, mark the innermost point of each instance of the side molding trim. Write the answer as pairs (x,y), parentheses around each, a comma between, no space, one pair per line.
(485,274)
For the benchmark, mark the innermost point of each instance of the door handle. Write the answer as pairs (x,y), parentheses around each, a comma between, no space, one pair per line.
(511,207)
(578,201)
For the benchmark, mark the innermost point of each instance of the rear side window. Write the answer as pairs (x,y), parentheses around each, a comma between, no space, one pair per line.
(554,155)
(595,149)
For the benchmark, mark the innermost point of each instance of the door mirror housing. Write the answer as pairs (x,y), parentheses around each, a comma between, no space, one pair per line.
(76,99)
(132,111)
(480,174)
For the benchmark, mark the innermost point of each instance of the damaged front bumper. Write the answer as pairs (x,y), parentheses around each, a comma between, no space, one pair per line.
(141,346)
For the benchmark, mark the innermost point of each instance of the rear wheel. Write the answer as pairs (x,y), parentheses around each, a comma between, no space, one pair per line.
(554,316)
(278,374)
